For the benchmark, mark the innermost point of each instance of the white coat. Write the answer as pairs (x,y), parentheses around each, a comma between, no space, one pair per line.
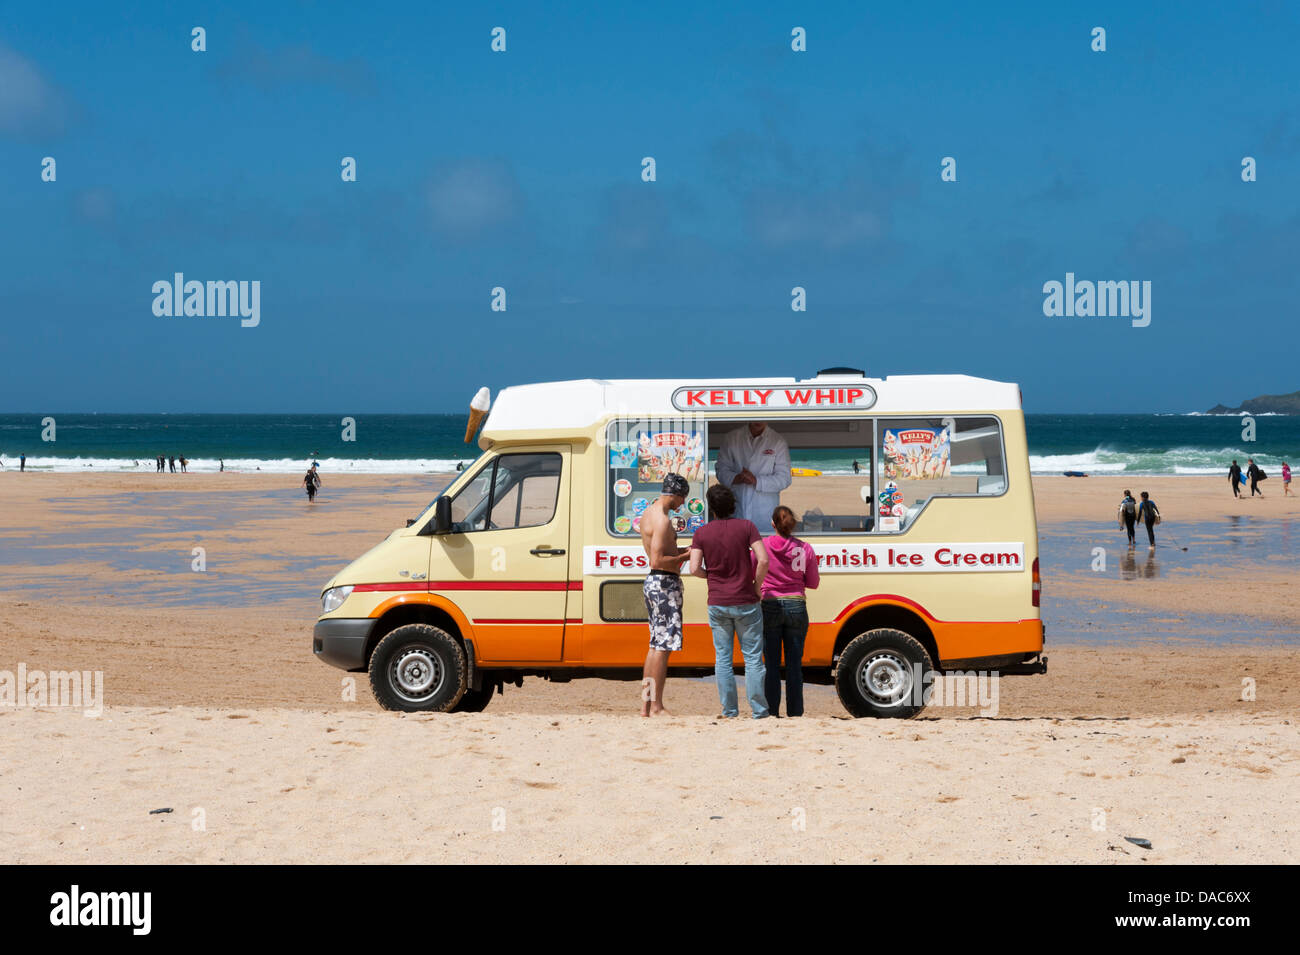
(768,458)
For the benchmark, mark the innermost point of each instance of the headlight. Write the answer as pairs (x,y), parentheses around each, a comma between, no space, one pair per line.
(333,598)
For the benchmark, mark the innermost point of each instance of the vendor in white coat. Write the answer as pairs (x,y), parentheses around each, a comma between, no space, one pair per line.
(754,462)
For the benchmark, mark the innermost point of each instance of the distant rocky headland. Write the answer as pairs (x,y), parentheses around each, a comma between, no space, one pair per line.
(1264,404)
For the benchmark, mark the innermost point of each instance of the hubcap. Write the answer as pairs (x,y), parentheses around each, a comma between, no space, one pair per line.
(885,678)
(417,674)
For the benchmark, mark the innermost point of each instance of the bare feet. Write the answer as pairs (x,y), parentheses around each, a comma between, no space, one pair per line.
(658,710)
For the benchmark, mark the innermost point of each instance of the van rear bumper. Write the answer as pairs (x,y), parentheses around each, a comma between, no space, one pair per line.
(341,641)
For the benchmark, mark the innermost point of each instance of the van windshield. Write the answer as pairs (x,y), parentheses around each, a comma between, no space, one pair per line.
(461,469)
(515,490)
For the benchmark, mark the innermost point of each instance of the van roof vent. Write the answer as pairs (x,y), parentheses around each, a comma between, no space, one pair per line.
(841,371)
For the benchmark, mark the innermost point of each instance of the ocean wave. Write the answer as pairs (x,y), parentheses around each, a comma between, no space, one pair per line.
(1184,460)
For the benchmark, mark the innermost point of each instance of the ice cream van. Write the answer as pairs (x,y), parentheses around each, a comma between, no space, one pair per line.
(914,492)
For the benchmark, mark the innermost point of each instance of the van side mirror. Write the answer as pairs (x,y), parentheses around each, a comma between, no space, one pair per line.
(442,516)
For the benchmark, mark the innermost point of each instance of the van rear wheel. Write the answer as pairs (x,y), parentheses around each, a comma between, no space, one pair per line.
(418,668)
(882,673)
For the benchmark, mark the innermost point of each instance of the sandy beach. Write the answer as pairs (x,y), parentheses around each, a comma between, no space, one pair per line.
(216,708)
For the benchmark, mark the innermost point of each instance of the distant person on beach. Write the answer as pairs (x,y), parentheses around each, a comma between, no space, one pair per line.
(171,462)
(1128,515)
(857,468)
(22,464)
(1256,474)
(1149,514)
(222,462)
(184,464)
(1234,477)
(791,571)
(720,553)
(662,589)
(1286,479)
(311,481)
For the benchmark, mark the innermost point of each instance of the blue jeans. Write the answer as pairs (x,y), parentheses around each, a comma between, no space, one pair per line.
(746,623)
(785,625)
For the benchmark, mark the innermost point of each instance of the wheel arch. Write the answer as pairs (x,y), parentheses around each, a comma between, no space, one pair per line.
(886,611)
(418,608)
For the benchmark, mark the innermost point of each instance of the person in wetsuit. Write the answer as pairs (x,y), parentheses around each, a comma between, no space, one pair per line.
(1147,512)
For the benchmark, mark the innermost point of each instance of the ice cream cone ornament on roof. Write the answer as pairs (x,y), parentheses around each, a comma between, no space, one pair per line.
(478,409)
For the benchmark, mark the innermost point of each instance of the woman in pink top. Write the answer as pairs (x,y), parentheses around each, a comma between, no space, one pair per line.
(1286,479)
(791,569)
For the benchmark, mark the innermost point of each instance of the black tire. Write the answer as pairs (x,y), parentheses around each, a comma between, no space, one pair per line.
(882,673)
(475,701)
(418,668)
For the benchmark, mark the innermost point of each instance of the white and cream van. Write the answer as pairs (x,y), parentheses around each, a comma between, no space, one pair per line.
(530,562)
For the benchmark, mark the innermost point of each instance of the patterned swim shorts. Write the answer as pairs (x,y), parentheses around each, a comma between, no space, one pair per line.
(663,605)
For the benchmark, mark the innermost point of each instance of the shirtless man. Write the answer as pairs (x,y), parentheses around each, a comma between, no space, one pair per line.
(663,589)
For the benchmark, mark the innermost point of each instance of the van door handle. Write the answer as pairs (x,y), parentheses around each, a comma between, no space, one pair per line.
(548,551)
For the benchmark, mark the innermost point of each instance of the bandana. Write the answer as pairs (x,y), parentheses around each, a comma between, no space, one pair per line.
(675,485)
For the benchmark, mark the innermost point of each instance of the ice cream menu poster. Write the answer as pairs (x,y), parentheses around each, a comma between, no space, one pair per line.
(670,452)
(916,454)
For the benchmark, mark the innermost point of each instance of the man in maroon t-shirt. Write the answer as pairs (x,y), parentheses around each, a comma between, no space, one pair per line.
(720,553)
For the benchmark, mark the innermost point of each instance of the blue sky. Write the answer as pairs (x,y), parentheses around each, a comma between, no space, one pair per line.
(522,169)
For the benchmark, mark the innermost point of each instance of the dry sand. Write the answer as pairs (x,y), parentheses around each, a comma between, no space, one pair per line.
(223,708)
(274,785)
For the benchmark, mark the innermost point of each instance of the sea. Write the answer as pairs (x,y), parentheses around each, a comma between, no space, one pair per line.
(1099,444)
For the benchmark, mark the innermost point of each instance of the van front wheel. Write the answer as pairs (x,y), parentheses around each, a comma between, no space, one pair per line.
(418,668)
(882,673)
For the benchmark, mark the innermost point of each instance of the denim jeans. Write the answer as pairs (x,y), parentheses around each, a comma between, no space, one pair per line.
(785,624)
(746,623)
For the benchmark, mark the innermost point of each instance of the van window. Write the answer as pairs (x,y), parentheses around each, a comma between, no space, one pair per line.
(511,490)
(925,458)
(831,459)
(640,453)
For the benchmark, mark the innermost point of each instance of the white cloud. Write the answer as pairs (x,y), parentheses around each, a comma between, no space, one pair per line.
(472,196)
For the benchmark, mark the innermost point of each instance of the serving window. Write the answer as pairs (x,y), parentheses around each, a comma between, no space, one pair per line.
(831,487)
(868,475)
(874,475)
(640,453)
